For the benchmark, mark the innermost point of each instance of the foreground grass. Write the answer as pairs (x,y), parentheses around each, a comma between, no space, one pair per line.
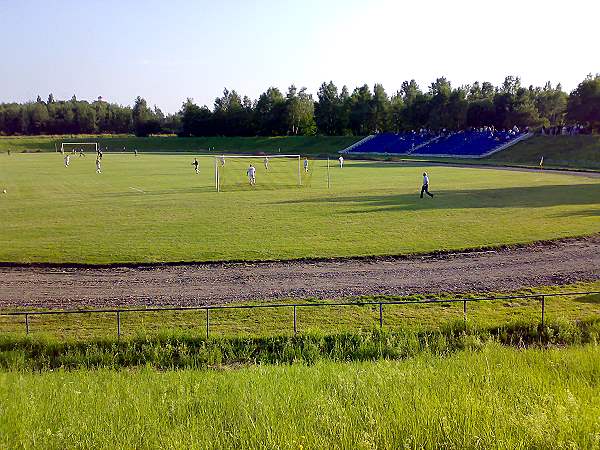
(491,398)
(155,208)
(307,145)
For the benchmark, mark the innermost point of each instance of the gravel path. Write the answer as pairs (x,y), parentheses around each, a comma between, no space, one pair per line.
(558,262)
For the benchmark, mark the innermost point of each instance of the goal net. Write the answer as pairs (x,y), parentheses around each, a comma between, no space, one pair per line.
(270,172)
(76,147)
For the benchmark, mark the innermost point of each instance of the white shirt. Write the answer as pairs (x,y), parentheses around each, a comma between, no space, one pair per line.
(425,180)
(251,171)
(341,159)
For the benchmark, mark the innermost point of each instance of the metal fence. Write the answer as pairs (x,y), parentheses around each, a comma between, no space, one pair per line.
(295,306)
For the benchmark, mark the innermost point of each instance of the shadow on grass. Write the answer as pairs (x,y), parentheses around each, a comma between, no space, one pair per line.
(514,197)
(592,298)
(584,213)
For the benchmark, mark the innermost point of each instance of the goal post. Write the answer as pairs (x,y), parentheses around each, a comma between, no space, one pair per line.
(271,171)
(66,146)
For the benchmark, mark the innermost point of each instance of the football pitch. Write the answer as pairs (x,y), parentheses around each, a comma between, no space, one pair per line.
(155,208)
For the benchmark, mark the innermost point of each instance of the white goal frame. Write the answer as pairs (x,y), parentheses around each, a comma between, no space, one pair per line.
(62,145)
(218,159)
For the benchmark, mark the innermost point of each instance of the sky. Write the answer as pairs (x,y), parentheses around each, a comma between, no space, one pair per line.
(167,51)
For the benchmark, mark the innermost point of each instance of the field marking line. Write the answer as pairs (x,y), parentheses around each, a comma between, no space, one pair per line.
(136,189)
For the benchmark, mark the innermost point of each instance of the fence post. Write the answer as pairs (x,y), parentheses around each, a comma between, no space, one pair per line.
(380,315)
(119,324)
(465,311)
(543,310)
(207,321)
(295,329)
(26,323)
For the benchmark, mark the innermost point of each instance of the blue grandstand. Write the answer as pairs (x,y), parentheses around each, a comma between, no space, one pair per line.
(467,144)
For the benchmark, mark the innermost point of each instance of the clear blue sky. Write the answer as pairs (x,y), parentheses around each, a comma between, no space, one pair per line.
(167,51)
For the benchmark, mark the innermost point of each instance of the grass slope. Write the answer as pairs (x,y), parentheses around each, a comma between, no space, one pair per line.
(312,145)
(493,398)
(155,208)
(573,152)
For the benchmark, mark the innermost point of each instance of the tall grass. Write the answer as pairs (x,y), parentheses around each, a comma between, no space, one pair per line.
(177,351)
(493,398)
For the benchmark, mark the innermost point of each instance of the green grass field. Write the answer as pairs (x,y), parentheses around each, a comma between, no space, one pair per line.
(492,398)
(155,208)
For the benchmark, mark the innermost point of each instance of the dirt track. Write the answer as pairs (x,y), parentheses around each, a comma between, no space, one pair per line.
(559,262)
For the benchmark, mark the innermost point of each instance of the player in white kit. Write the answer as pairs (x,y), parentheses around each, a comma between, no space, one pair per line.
(251,172)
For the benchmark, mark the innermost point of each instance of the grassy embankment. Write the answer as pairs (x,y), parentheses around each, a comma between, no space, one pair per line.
(571,152)
(305,145)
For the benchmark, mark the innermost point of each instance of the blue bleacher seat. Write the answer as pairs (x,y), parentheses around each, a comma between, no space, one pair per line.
(462,143)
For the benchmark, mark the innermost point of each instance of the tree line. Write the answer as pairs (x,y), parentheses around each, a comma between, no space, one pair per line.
(334,111)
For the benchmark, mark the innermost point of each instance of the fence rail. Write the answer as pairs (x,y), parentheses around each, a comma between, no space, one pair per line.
(380,304)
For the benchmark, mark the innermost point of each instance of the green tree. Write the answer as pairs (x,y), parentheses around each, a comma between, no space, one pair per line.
(143,118)
(416,106)
(397,112)
(515,105)
(299,112)
(551,104)
(439,97)
(328,110)
(269,113)
(380,110)
(360,113)
(195,120)
(38,118)
(584,103)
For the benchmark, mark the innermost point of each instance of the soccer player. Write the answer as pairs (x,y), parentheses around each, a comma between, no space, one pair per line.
(266,162)
(425,187)
(542,163)
(222,161)
(306,164)
(251,172)
(135,152)
(81,153)
(98,168)
(341,160)
(67,160)
(195,164)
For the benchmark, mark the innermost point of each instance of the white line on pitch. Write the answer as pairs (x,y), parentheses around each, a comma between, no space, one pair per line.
(136,189)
